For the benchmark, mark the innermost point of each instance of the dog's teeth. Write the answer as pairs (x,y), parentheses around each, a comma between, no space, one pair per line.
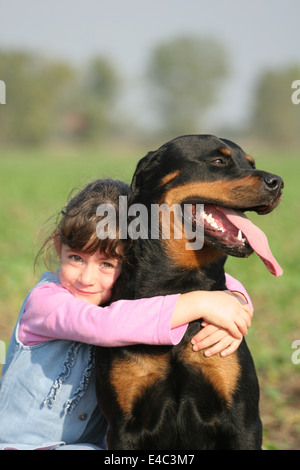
(240,236)
(211,221)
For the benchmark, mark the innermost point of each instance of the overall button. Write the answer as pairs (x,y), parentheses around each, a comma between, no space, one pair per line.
(82,417)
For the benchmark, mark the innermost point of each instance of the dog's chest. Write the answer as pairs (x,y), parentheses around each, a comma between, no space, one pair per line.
(147,374)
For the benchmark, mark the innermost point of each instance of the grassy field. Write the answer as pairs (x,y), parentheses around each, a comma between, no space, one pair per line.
(34,186)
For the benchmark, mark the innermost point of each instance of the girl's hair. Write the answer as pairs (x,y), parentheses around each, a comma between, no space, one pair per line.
(76,223)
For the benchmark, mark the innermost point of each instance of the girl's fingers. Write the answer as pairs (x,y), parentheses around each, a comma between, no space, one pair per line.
(242,326)
(236,329)
(204,333)
(231,348)
(210,340)
(225,347)
(218,347)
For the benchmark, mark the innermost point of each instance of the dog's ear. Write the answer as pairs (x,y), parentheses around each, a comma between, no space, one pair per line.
(144,169)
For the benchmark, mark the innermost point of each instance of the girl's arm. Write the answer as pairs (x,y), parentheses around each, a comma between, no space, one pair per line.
(220,308)
(52,312)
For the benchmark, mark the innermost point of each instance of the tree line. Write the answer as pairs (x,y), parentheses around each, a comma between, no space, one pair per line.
(47,99)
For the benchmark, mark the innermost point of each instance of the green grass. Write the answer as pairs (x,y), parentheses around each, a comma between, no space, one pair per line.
(34,185)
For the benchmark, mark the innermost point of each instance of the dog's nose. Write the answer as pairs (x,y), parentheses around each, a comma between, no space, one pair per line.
(273,182)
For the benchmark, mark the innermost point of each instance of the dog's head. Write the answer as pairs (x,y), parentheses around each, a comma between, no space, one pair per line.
(203,169)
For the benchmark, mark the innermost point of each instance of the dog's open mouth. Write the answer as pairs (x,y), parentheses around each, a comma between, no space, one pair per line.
(217,227)
(231,231)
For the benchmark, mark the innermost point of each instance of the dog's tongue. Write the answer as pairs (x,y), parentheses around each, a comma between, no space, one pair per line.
(256,238)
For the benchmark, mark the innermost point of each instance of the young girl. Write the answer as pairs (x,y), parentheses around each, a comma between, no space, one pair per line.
(47,390)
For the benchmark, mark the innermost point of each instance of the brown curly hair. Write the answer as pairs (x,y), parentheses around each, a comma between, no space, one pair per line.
(76,224)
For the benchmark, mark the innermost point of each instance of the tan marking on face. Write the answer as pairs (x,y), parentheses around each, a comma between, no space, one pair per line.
(221,191)
(250,160)
(190,259)
(169,177)
(225,151)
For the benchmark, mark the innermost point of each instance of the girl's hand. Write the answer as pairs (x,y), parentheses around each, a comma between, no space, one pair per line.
(216,340)
(227,333)
(228,311)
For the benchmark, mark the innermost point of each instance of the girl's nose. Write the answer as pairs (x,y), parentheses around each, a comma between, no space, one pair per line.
(87,275)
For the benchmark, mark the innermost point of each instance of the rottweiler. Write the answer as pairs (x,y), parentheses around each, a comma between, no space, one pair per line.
(170,397)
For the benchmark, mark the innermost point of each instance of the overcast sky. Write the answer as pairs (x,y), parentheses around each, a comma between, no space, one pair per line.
(257,34)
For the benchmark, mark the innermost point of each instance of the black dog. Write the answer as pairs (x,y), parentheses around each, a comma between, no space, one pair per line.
(171,397)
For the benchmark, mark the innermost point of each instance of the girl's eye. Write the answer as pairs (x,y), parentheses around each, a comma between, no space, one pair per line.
(106,265)
(75,257)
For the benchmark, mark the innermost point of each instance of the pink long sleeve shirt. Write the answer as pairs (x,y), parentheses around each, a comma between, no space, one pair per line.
(52,312)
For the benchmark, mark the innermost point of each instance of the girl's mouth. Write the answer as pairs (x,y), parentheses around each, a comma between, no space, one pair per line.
(83,292)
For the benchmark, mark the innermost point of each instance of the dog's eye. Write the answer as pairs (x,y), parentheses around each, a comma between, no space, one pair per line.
(219,161)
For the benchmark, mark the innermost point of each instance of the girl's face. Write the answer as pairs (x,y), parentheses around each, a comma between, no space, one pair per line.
(88,277)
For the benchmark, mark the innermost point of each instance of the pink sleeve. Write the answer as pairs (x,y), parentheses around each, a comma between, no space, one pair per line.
(233,285)
(52,312)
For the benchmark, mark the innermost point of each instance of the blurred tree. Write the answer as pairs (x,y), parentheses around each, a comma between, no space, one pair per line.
(34,90)
(275,118)
(90,113)
(185,74)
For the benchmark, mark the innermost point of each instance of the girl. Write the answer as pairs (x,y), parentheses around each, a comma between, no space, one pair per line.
(47,390)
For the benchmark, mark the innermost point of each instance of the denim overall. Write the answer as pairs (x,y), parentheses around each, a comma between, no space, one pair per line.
(47,394)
